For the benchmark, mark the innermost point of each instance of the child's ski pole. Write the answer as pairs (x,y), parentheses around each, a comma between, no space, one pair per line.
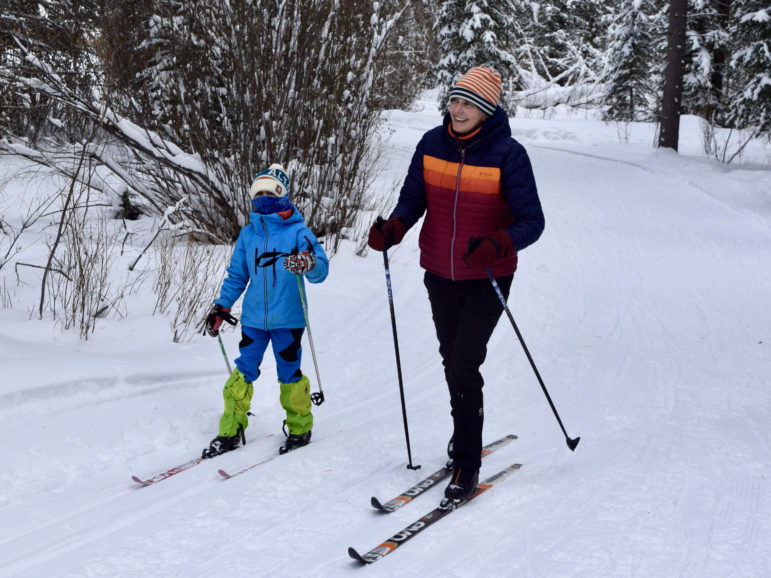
(225,355)
(317,397)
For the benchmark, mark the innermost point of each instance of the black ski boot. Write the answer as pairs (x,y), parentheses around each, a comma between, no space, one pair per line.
(220,444)
(461,486)
(294,441)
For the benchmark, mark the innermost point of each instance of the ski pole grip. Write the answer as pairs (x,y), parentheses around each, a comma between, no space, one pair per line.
(388,240)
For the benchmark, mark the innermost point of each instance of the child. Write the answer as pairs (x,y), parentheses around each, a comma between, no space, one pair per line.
(271,310)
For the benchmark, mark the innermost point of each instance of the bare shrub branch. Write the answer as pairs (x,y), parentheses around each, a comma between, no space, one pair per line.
(188,277)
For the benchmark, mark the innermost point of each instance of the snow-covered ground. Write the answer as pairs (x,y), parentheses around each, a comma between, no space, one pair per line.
(645,306)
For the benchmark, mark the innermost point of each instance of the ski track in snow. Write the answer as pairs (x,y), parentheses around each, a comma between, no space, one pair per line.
(644,306)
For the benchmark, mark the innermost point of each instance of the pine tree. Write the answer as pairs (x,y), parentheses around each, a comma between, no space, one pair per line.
(627,76)
(472,34)
(566,36)
(749,104)
(708,45)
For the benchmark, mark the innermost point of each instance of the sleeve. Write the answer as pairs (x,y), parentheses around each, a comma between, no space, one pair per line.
(521,195)
(412,197)
(237,275)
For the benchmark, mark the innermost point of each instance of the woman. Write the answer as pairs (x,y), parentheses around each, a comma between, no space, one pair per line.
(475,185)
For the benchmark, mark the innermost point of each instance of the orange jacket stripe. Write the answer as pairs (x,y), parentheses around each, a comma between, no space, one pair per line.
(444,174)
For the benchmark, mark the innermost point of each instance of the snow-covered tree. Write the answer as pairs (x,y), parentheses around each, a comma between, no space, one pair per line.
(15,102)
(568,39)
(243,85)
(120,47)
(61,32)
(409,56)
(475,33)
(216,91)
(629,91)
(749,103)
(708,47)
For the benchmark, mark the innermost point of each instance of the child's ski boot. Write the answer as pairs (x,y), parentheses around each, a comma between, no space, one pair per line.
(294,441)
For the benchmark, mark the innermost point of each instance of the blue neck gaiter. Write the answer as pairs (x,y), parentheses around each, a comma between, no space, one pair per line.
(266,205)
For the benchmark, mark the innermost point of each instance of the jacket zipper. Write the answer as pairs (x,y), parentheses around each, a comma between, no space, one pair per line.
(454,214)
(265,274)
(455,205)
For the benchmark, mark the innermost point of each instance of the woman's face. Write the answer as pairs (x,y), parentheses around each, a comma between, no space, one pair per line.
(465,116)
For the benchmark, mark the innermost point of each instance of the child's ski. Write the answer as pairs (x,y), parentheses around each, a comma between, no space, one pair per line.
(168,473)
(159,477)
(227,475)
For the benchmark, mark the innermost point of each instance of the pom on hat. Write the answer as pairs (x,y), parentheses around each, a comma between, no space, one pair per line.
(272,180)
(481,86)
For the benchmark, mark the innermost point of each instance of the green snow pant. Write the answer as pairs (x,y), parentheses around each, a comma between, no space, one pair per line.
(296,401)
(238,396)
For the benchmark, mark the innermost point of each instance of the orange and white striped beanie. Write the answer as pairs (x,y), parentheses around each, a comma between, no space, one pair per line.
(480,85)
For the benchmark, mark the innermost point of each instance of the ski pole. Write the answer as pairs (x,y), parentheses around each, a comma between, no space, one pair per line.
(317,397)
(572,443)
(398,362)
(227,318)
(225,355)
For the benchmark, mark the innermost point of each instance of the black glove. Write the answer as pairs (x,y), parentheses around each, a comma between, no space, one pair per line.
(216,316)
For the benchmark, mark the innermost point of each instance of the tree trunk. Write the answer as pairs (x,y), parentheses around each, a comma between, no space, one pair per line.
(671,101)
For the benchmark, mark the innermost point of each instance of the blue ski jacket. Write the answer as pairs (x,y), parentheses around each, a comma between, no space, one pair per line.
(272,299)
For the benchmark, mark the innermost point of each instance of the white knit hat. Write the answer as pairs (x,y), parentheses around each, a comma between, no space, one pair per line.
(273,180)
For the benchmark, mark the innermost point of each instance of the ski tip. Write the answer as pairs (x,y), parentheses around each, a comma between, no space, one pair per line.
(389,507)
(140,482)
(356,556)
(224,474)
